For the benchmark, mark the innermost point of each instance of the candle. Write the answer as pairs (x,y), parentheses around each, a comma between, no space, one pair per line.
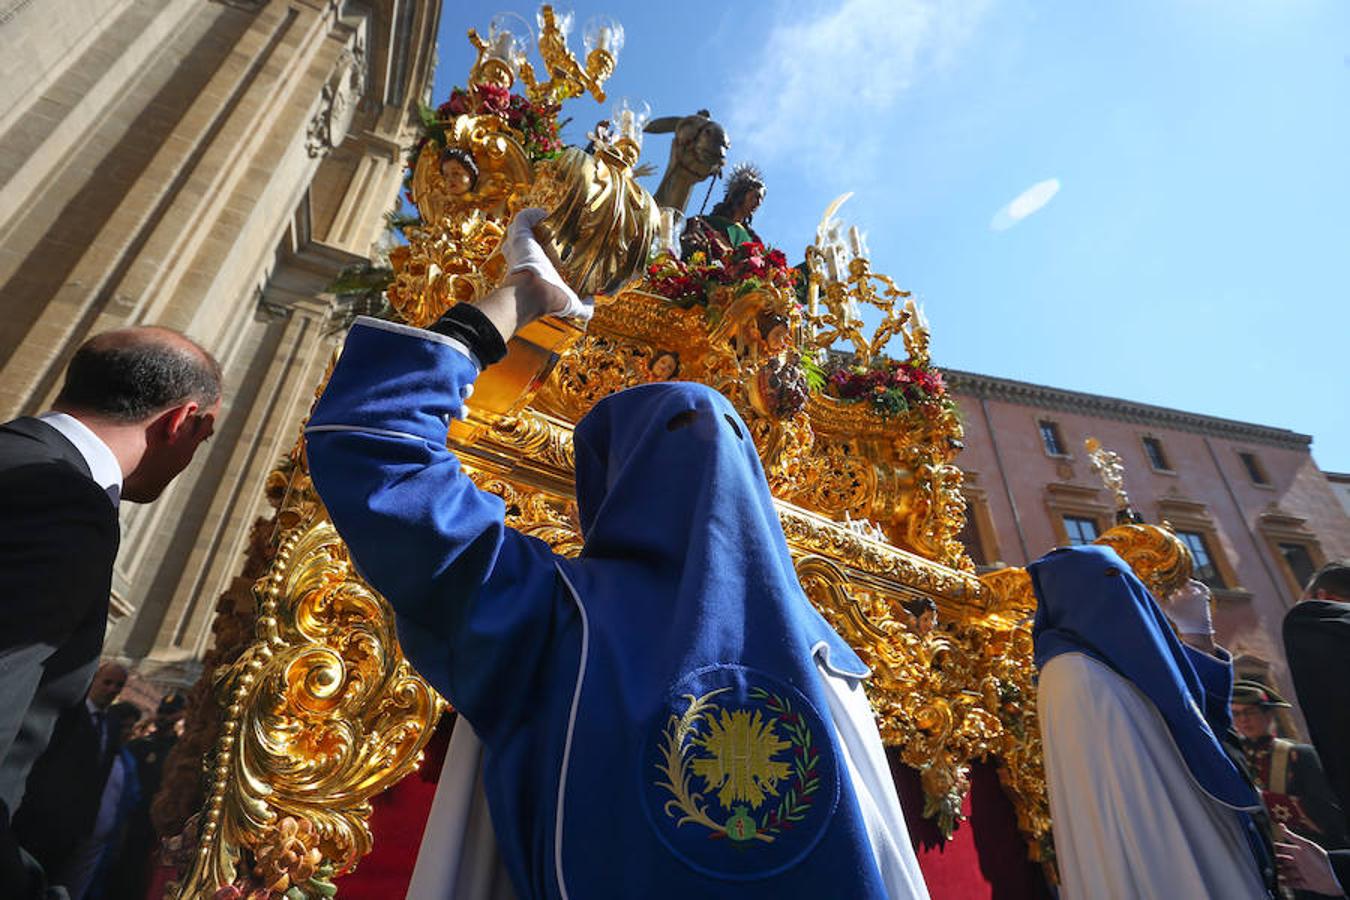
(832,263)
(628,125)
(604,38)
(855,240)
(668,215)
(503,46)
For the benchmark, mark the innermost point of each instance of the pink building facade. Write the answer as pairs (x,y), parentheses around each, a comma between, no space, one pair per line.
(1248,499)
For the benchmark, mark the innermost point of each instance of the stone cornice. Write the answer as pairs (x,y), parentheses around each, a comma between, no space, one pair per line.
(988,387)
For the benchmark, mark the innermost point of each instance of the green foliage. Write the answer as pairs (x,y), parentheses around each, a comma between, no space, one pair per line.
(815,375)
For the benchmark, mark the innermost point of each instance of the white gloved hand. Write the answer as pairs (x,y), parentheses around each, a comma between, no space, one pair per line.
(1188,608)
(523,252)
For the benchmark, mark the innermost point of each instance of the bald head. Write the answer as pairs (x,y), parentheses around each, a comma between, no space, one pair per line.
(132,374)
(107,684)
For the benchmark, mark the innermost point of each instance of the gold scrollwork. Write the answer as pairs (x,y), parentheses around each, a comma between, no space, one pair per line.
(321,713)
(1160,558)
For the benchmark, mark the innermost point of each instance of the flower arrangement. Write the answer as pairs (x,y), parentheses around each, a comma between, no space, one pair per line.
(750,266)
(535,123)
(891,387)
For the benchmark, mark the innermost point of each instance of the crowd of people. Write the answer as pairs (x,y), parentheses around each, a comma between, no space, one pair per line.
(674,678)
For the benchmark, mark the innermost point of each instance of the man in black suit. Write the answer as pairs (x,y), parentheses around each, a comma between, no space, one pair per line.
(1317,644)
(135,406)
(61,798)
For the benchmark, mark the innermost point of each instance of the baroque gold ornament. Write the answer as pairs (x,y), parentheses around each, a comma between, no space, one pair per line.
(321,712)
(601,224)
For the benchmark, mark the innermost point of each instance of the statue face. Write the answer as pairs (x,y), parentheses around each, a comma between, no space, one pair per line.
(750,202)
(711,146)
(458,180)
(777,338)
(664,366)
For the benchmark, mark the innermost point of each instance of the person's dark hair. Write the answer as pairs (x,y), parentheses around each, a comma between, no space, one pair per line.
(465,159)
(744,179)
(1334,578)
(129,375)
(123,712)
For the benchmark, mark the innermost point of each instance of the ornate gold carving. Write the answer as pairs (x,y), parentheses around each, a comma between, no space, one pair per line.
(321,711)
(945,691)
(602,223)
(841,318)
(504,171)
(434,271)
(1160,558)
(568,77)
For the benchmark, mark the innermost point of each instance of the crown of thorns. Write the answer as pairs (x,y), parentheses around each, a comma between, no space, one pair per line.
(743,177)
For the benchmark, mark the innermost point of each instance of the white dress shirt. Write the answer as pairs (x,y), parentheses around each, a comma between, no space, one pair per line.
(103,465)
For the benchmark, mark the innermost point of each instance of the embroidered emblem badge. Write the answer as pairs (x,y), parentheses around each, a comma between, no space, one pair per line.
(745,777)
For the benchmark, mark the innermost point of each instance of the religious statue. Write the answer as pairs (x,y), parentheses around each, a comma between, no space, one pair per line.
(459,170)
(698,151)
(664,365)
(718,234)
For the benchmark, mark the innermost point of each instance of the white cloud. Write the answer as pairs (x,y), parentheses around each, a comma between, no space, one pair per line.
(823,88)
(1024,204)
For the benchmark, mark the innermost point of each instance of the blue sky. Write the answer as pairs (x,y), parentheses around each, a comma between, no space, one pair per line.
(1186,241)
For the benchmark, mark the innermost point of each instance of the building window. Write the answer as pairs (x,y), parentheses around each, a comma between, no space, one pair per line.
(970,538)
(1255,471)
(1054,444)
(1299,561)
(1153,449)
(1080,530)
(1205,569)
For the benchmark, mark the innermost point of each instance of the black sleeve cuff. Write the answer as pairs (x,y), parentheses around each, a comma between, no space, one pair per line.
(467,324)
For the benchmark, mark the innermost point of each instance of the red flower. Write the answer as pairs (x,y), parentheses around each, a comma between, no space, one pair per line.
(493,98)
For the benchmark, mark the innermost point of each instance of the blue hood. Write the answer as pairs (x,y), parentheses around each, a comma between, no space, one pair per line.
(1091,602)
(697,629)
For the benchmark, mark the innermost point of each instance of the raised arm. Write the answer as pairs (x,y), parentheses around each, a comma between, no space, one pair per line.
(477,603)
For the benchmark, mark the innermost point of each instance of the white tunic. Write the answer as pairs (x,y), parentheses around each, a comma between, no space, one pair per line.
(458,857)
(1130,820)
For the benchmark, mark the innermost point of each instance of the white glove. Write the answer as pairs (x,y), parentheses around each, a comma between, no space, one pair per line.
(522,251)
(1188,608)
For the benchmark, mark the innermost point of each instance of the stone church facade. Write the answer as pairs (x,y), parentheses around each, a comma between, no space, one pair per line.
(207,165)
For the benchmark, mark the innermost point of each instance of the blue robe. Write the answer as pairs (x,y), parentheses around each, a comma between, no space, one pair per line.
(652,712)
(1091,602)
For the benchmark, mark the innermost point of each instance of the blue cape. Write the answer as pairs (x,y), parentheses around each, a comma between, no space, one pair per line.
(1091,602)
(701,643)
(655,721)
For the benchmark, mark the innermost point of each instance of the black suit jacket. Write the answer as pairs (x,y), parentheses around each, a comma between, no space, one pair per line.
(1317,643)
(62,797)
(58,541)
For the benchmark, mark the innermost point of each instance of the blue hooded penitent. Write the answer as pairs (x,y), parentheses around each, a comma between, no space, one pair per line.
(1091,602)
(652,711)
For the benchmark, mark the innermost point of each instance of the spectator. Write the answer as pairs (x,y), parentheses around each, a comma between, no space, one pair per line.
(130,873)
(135,406)
(1288,774)
(1317,645)
(61,801)
(1146,799)
(121,793)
